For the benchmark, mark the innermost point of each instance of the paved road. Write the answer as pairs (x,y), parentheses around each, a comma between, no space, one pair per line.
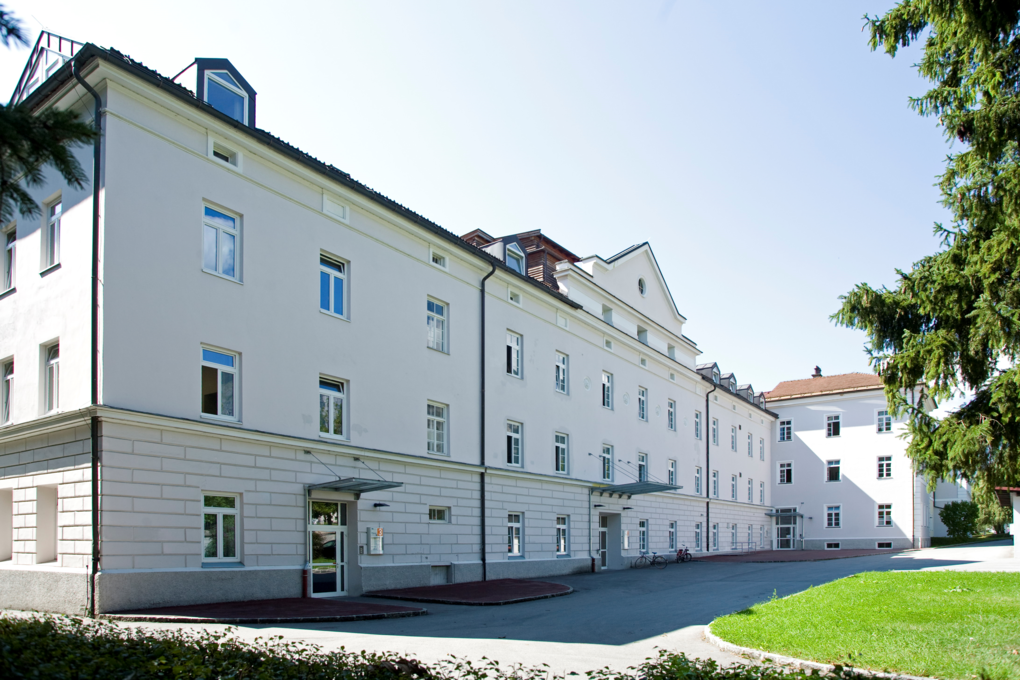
(618,618)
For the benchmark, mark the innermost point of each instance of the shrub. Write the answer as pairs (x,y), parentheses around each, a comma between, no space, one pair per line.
(960,518)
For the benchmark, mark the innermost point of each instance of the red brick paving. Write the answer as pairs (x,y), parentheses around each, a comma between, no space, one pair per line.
(793,555)
(286,610)
(501,591)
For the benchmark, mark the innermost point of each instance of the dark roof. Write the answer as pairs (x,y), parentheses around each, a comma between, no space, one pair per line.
(116,58)
(706,366)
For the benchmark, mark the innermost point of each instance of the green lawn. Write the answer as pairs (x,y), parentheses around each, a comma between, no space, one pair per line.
(942,624)
(940,541)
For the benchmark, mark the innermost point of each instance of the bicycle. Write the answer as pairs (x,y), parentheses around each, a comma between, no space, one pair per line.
(683,555)
(649,560)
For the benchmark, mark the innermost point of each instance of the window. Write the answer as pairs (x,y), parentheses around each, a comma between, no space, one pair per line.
(832,471)
(641,287)
(642,404)
(607,390)
(441,515)
(51,242)
(607,463)
(515,258)
(884,545)
(435,416)
(562,535)
(437,259)
(733,537)
(750,491)
(332,411)
(883,422)
(672,376)
(786,473)
(607,314)
(697,536)
(885,515)
(513,443)
(6,390)
(514,297)
(10,238)
(715,483)
(697,424)
(332,275)
(435,313)
(224,94)
(785,430)
(715,431)
(643,535)
(561,450)
(220,244)
(642,467)
(51,378)
(672,536)
(608,344)
(514,525)
(715,377)
(671,473)
(761,536)
(733,487)
(761,492)
(642,335)
(697,481)
(832,516)
(884,467)
(733,438)
(832,426)
(644,362)
(513,354)
(220,530)
(671,414)
(750,446)
(222,153)
(715,537)
(832,546)
(761,448)
(562,321)
(561,372)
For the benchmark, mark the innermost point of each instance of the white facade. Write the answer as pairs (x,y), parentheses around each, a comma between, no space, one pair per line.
(211,372)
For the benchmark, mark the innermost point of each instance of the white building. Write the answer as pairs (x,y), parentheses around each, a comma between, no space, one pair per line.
(841,477)
(275,364)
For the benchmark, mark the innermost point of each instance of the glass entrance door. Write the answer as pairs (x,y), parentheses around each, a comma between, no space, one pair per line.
(603,540)
(786,528)
(327,541)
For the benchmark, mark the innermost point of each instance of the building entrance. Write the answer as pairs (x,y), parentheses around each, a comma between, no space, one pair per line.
(327,546)
(786,528)
(603,541)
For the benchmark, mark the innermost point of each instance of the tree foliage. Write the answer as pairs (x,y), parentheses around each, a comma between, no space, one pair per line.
(960,518)
(994,515)
(951,324)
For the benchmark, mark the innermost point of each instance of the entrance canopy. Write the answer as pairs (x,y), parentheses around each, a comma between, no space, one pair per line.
(355,485)
(633,489)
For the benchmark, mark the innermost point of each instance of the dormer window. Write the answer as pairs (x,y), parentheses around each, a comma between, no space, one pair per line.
(224,94)
(515,258)
(715,376)
(761,401)
(733,385)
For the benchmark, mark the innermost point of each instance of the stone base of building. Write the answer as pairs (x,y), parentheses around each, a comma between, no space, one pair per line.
(63,591)
(858,543)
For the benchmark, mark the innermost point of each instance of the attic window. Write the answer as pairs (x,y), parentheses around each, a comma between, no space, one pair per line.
(224,154)
(437,259)
(515,258)
(672,376)
(224,94)
(641,287)
(644,362)
(715,376)
(514,296)
(733,385)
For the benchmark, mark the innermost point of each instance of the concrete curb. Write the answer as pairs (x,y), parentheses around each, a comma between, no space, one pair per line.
(437,600)
(800,664)
(153,618)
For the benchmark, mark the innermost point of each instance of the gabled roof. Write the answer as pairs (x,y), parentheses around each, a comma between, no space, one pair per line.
(633,250)
(847,382)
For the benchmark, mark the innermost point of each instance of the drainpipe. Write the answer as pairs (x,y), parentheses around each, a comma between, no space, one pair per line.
(708,472)
(485,573)
(94,420)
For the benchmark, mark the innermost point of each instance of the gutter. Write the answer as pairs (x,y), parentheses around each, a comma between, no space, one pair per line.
(708,471)
(481,448)
(97,160)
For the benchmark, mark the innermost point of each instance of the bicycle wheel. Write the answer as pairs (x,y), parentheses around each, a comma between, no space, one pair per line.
(687,557)
(659,562)
(641,562)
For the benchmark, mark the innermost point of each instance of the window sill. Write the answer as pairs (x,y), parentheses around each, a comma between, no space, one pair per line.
(433,453)
(9,291)
(333,314)
(223,565)
(561,556)
(223,276)
(436,349)
(515,557)
(220,419)
(511,375)
(49,270)
(333,437)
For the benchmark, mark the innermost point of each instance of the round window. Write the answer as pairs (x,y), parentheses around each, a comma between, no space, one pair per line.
(641,286)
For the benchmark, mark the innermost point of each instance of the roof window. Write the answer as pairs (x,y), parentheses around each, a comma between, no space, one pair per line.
(515,258)
(224,94)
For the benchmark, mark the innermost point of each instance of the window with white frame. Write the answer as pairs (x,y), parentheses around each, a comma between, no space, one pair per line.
(671,473)
(561,372)
(514,534)
(832,425)
(642,535)
(883,422)
(513,443)
(715,431)
(332,408)
(761,493)
(786,473)
(514,296)
(437,258)
(832,471)
(607,390)
(733,438)
(515,258)
(697,425)
(221,243)
(750,446)
(439,514)
(761,448)
(6,390)
(733,537)
(51,377)
(607,463)
(642,403)
(715,537)
(561,451)
(750,490)
(332,283)
(224,94)
(761,536)
(672,535)
(697,536)
(10,238)
(697,481)
(785,430)
(671,414)
(436,424)
(513,354)
(715,483)
(884,467)
(435,315)
(562,534)
(750,536)
(607,314)
(220,530)
(733,487)
(642,467)
(832,516)
(885,515)
(51,240)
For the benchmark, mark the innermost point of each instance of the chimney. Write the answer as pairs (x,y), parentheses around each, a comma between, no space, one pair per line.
(817,373)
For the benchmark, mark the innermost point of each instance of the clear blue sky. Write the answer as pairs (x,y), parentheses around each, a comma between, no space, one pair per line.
(766,154)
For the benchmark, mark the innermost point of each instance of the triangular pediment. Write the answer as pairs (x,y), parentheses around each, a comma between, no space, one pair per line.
(634,276)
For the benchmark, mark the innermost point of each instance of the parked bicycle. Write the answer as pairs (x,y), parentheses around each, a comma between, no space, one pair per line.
(683,555)
(649,560)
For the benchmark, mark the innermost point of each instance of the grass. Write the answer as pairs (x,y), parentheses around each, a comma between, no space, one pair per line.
(939,541)
(940,623)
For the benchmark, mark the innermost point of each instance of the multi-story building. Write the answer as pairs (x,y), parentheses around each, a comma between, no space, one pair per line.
(841,477)
(214,389)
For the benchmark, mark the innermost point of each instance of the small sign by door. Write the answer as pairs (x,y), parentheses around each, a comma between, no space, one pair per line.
(375,541)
